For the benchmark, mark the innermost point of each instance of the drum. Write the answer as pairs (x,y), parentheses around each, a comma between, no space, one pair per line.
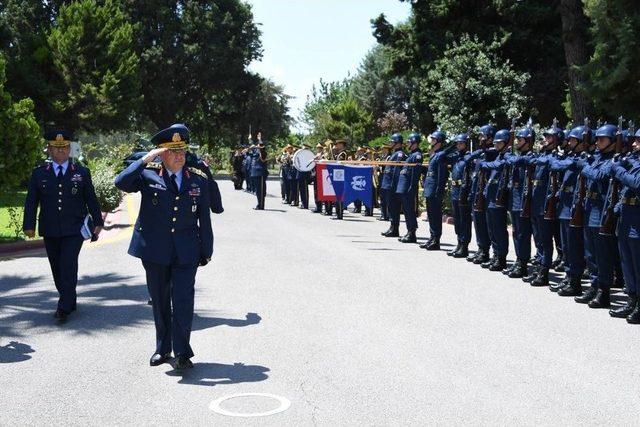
(304,160)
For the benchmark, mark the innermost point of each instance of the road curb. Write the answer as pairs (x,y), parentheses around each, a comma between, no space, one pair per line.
(19,247)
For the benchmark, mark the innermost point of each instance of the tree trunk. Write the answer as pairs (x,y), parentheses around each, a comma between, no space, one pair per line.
(576,52)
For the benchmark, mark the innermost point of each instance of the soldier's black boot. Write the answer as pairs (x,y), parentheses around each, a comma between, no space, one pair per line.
(482,257)
(499,264)
(490,261)
(425,244)
(472,257)
(601,300)
(560,267)
(393,231)
(556,262)
(510,268)
(519,269)
(410,237)
(542,279)
(533,273)
(463,252)
(588,295)
(634,317)
(434,245)
(455,251)
(626,309)
(555,287)
(572,289)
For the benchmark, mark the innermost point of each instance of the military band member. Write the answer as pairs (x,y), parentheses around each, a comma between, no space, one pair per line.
(627,172)
(172,236)
(340,150)
(368,210)
(318,157)
(284,184)
(435,182)
(407,187)
(303,178)
(260,172)
(389,184)
(461,211)
(360,154)
(64,194)
(236,166)
(485,152)
(248,159)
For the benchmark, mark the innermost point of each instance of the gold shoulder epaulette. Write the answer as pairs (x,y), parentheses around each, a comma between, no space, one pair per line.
(198,172)
(154,165)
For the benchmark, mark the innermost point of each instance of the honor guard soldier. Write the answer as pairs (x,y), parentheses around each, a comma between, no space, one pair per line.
(572,234)
(497,201)
(601,247)
(485,152)
(341,155)
(434,184)
(260,172)
(460,179)
(627,172)
(407,187)
(518,188)
(389,184)
(65,195)
(385,156)
(172,236)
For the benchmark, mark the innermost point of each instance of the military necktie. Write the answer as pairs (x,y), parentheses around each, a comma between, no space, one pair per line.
(60,172)
(174,183)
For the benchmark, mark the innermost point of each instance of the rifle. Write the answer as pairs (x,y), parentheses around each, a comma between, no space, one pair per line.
(466,179)
(502,198)
(610,218)
(528,191)
(577,211)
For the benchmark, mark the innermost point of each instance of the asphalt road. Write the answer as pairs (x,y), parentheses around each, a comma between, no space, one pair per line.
(350,327)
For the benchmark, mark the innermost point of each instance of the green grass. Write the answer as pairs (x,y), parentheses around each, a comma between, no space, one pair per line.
(10,199)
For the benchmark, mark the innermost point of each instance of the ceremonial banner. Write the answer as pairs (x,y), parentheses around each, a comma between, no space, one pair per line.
(346,183)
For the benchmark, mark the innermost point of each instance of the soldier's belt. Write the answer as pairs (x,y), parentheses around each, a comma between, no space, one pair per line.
(567,189)
(593,195)
(630,201)
(430,173)
(404,171)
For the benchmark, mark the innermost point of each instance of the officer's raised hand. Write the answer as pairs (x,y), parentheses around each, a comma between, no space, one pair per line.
(151,155)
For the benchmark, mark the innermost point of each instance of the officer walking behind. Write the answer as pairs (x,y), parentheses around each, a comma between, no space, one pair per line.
(407,187)
(389,184)
(64,193)
(434,184)
(259,173)
(461,209)
(627,172)
(172,236)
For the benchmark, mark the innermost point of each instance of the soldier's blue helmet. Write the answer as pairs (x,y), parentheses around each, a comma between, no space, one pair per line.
(414,138)
(608,131)
(501,136)
(439,136)
(577,133)
(554,131)
(461,137)
(396,138)
(625,137)
(527,133)
(488,130)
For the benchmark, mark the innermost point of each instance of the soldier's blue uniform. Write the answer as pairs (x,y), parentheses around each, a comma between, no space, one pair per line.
(460,179)
(215,197)
(259,173)
(390,179)
(435,183)
(64,194)
(627,172)
(303,178)
(248,158)
(407,188)
(474,160)
(604,248)
(384,192)
(172,236)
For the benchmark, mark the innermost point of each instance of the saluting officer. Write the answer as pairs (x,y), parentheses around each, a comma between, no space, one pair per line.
(407,187)
(64,193)
(434,184)
(461,211)
(172,236)
(627,172)
(390,178)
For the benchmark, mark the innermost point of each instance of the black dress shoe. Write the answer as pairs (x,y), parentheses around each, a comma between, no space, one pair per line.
(587,296)
(472,257)
(463,252)
(434,245)
(425,244)
(542,279)
(61,315)
(626,309)
(601,300)
(455,251)
(182,362)
(519,271)
(499,264)
(572,289)
(488,262)
(634,317)
(555,287)
(158,359)
(391,232)
(410,237)
(482,257)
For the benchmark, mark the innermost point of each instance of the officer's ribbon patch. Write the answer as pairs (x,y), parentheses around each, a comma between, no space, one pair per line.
(194,192)
(76,177)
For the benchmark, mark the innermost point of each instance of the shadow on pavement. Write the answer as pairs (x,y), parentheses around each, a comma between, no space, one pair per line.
(202,322)
(15,352)
(212,374)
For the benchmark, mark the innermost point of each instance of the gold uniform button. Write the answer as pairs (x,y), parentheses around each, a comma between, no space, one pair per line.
(177,197)
(175,208)
(60,185)
(174,220)
(173,230)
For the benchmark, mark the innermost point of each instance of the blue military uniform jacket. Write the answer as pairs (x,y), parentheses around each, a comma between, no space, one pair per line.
(391,174)
(258,166)
(410,175)
(629,202)
(437,174)
(597,184)
(518,181)
(494,179)
(541,181)
(172,228)
(570,168)
(63,204)
(457,174)
(477,157)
